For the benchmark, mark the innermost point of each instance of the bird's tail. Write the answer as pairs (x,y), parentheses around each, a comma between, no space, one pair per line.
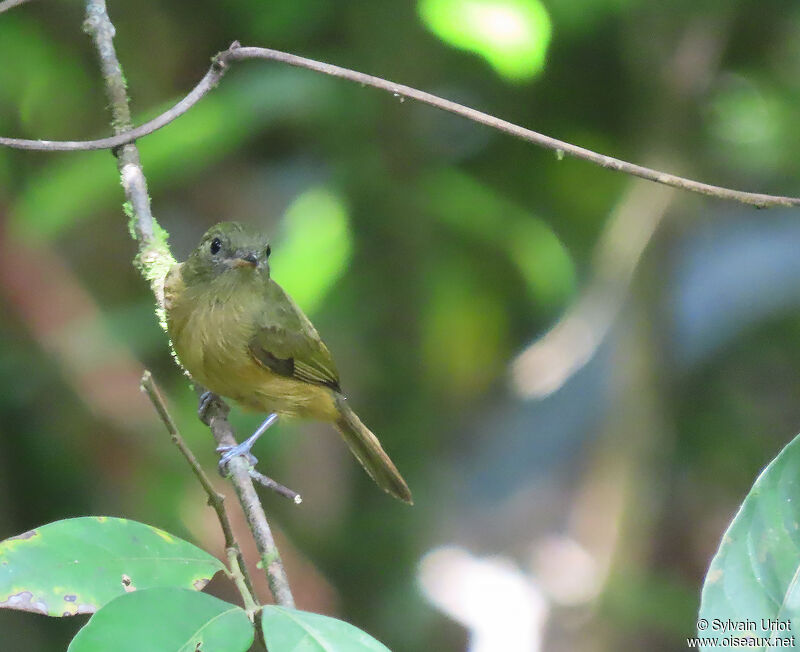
(366,447)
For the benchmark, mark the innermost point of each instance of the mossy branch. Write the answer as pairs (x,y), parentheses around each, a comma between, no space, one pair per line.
(154,260)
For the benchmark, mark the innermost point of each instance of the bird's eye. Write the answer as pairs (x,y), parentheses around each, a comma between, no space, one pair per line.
(268,251)
(216,245)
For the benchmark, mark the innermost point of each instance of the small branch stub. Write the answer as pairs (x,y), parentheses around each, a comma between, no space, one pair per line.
(277,487)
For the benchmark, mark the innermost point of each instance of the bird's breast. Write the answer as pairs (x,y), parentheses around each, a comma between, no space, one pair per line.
(210,333)
(211,337)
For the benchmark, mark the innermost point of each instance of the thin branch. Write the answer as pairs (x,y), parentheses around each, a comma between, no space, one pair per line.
(10,4)
(559,146)
(154,260)
(216,416)
(206,84)
(216,500)
(238,53)
(275,486)
(238,574)
(99,27)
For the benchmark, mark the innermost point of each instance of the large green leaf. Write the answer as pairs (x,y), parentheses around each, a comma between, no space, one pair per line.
(290,630)
(166,620)
(752,587)
(78,565)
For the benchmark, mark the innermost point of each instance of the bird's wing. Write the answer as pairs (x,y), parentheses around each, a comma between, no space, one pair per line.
(287,343)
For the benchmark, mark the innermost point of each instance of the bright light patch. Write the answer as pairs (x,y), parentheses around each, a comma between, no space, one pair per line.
(500,605)
(512,35)
(314,248)
(500,26)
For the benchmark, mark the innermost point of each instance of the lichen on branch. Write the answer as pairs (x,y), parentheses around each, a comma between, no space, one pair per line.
(154,260)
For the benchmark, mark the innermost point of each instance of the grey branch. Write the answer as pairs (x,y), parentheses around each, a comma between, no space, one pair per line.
(238,53)
(216,416)
(277,487)
(154,258)
(99,27)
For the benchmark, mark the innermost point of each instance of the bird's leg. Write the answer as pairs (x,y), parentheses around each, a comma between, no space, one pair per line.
(229,452)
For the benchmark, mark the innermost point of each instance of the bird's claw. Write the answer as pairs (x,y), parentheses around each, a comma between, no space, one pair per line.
(227,453)
(209,400)
(243,449)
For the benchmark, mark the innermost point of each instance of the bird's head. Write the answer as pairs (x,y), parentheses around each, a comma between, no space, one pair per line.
(228,249)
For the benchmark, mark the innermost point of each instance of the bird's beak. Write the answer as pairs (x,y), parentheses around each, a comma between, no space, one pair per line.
(246,260)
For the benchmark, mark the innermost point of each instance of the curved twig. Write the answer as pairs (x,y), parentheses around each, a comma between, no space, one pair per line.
(238,53)
(204,86)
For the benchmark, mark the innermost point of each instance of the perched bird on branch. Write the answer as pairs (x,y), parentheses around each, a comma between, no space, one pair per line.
(240,335)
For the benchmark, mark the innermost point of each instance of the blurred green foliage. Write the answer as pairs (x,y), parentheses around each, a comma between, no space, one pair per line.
(512,35)
(429,252)
(315,247)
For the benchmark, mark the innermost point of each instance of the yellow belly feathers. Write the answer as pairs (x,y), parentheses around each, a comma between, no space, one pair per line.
(210,337)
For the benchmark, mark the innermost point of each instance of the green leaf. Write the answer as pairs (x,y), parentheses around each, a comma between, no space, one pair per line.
(78,565)
(166,620)
(290,630)
(754,574)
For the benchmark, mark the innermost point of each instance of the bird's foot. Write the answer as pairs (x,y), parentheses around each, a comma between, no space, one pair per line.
(209,400)
(229,452)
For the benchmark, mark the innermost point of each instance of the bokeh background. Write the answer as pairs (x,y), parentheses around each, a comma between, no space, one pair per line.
(579,374)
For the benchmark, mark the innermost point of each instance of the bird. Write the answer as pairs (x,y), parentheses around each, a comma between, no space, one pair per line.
(240,335)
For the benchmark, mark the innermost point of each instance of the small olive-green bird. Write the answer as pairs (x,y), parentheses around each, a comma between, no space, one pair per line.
(239,334)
